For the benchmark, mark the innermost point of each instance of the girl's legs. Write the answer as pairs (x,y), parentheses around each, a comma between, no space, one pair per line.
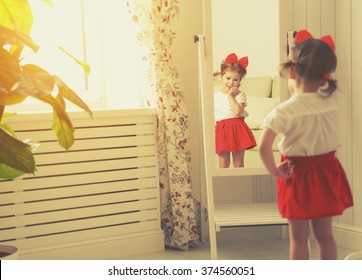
(299,239)
(224,159)
(322,229)
(238,158)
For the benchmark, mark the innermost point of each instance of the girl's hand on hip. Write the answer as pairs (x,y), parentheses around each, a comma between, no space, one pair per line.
(285,169)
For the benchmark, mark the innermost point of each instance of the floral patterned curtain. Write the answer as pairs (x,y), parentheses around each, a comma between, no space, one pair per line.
(157,21)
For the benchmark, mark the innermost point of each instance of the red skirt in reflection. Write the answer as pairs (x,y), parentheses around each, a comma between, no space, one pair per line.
(233,135)
(318,188)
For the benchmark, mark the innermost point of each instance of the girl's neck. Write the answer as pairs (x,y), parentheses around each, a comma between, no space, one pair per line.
(310,88)
(305,87)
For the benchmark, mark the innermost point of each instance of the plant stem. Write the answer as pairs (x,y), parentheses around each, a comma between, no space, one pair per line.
(2,109)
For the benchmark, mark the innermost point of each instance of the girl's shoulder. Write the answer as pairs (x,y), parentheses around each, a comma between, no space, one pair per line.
(288,105)
(306,103)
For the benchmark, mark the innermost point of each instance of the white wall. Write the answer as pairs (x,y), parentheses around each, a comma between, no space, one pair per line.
(349,45)
(354,61)
(248,28)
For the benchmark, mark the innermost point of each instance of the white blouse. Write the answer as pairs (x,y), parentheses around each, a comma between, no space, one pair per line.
(222,107)
(308,123)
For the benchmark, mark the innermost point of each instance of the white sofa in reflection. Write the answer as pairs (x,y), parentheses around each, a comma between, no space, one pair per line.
(262,96)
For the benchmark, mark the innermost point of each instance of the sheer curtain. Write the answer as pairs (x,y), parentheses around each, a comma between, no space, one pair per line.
(157,21)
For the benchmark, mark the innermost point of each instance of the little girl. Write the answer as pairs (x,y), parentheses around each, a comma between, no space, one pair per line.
(311,184)
(232,134)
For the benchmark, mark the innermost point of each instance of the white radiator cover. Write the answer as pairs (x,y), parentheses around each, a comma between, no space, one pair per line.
(99,200)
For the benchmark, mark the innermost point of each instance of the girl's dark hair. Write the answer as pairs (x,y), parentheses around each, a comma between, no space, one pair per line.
(313,60)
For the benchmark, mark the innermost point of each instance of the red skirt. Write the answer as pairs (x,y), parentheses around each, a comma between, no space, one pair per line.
(233,135)
(318,188)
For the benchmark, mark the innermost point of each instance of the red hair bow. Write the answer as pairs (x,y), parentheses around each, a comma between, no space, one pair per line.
(304,35)
(232,58)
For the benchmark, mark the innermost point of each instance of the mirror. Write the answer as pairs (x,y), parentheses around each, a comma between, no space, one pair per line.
(249,28)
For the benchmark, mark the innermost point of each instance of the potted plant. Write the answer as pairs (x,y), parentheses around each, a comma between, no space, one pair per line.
(18,82)
(8,252)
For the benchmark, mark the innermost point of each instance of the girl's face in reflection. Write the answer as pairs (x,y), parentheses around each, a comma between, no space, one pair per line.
(230,80)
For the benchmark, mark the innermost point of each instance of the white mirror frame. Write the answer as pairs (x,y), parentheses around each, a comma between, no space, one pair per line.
(206,85)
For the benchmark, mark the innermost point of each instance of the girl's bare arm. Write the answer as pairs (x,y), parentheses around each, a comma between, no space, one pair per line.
(236,107)
(282,170)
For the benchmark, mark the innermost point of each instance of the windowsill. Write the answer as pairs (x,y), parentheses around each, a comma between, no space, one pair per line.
(78,112)
(42,108)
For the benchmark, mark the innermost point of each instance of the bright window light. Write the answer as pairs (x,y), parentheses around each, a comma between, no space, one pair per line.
(99,33)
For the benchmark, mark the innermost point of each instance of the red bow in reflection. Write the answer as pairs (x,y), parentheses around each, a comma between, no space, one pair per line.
(232,58)
(304,35)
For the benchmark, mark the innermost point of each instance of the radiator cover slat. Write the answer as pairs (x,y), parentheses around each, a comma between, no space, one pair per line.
(106,185)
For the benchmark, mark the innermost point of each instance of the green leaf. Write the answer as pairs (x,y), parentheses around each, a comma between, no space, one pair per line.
(16,38)
(16,15)
(11,98)
(36,81)
(10,71)
(62,125)
(15,153)
(62,128)
(33,81)
(8,129)
(69,94)
(7,172)
(6,116)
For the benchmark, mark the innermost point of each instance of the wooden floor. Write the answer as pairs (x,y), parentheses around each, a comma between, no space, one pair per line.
(243,243)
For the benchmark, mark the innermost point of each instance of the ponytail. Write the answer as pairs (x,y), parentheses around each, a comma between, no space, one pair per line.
(330,87)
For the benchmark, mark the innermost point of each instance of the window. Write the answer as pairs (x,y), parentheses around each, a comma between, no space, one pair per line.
(99,33)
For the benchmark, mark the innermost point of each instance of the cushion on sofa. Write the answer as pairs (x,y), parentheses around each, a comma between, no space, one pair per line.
(276,87)
(257,86)
(258,108)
